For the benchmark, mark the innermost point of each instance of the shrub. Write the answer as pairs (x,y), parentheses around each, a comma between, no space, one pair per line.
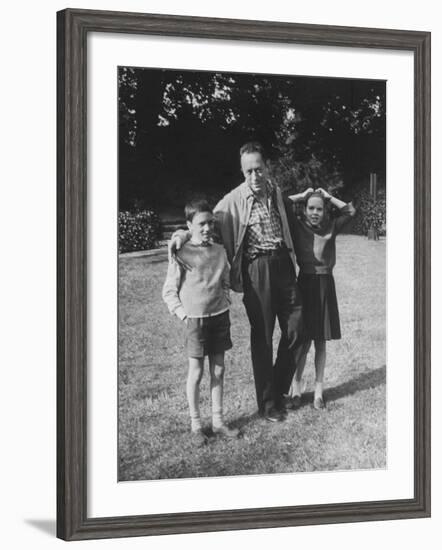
(138,231)
(370,213)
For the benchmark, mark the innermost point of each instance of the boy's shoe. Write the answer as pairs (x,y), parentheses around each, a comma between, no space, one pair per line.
(199,438)
(318,403)
(225,431)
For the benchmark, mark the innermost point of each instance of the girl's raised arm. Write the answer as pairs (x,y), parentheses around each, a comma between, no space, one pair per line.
(301,196)
(346,210)
(335,202)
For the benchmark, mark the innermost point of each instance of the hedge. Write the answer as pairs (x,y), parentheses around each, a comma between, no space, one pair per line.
(138,231)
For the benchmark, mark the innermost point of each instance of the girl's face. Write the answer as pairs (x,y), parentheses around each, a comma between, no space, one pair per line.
(314,211)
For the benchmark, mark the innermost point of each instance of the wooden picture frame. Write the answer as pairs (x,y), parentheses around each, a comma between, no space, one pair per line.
(73,27)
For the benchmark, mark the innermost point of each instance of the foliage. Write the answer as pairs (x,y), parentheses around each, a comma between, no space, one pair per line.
(127,86)
(138,231)
(295,176)
(336,123)
(370,213)
(184,129)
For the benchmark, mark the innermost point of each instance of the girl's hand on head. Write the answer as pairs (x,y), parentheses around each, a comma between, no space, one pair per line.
(324,193)
(300,196)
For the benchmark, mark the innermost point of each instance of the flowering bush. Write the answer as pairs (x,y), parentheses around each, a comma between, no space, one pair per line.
(369,213)
(138,231)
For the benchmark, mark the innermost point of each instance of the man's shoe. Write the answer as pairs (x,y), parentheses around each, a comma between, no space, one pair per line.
(225,431)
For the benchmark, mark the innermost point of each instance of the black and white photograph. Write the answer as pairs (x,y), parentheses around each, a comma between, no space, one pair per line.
(252,238)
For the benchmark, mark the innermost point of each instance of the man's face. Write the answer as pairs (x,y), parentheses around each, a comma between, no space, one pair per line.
(255,171)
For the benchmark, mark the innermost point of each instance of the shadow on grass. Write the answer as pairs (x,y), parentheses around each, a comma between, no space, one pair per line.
(365,381)
(243,421)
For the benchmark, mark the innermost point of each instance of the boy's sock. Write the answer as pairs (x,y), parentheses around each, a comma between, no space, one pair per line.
(196,424)
(217,418)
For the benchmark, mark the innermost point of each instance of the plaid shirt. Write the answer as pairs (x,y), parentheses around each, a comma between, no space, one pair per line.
(264,226)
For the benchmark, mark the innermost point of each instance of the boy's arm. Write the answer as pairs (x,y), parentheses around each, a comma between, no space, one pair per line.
(171,289)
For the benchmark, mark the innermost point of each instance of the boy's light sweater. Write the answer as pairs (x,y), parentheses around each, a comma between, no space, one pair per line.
(204,290)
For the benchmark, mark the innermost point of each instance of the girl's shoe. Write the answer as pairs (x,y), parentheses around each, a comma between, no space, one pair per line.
(295,402)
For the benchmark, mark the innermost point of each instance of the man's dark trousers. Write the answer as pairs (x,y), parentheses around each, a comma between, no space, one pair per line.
(270,292)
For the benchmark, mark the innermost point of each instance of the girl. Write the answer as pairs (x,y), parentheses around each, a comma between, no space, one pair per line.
(314,237)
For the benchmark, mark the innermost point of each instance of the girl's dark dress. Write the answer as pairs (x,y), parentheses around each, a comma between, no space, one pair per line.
(315,249)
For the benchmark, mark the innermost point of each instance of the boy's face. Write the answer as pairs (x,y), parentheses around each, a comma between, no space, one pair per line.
(315,210)
(255,171)
(201,227)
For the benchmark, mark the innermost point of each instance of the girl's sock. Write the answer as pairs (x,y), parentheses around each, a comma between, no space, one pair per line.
(296,388)
(318,389)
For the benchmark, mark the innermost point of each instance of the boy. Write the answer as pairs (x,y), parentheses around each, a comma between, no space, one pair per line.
(199,296)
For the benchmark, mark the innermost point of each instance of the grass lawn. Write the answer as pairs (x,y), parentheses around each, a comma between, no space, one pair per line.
(153,417)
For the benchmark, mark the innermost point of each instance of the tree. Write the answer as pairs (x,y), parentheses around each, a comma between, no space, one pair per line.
(180,131)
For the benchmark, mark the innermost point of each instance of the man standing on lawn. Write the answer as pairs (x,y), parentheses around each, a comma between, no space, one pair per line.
(252,224)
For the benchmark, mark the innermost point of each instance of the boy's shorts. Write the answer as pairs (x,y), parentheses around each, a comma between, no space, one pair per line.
(208,335)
